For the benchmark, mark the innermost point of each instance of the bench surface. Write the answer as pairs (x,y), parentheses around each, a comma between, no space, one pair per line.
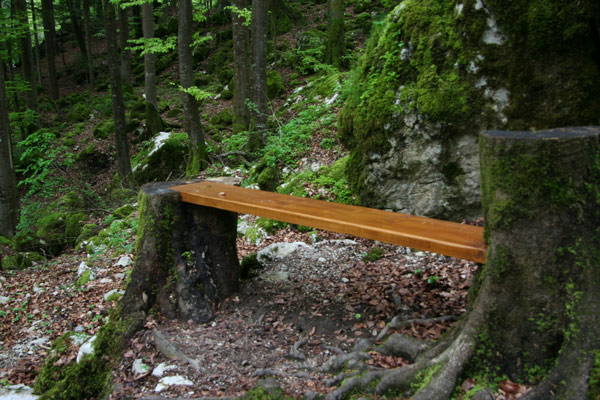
(443,237)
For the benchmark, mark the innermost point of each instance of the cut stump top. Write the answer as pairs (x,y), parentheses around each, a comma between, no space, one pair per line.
(443,237)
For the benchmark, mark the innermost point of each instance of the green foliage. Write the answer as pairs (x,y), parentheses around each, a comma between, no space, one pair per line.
(37,162)
(79,113)
(274,84)
(373,254)
(244,13)
(153,45)
(104,129)
(308,57)
(199,94)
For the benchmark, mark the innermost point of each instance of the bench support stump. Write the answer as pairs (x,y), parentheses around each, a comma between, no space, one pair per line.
(534,307)
(186,257)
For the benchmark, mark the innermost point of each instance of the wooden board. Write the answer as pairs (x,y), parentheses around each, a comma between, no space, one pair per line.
(443,237)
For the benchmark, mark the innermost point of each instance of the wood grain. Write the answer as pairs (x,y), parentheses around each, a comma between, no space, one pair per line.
(443,237)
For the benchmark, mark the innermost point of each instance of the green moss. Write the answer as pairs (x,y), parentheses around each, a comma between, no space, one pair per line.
(22,260)
(87,231)
(249,265)
(274,84)
(104,129)
(51,231)
(268,179)
(79,113)
(83,279)
(73,227)
(373,254)
(594,381)
(424,377)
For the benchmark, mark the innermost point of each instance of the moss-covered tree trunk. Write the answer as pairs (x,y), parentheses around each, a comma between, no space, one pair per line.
(198,158)
(241,68)
(258,95)
(186,257)
(50,43)
(534,310)
(9,201)
(153,120)
(336,43)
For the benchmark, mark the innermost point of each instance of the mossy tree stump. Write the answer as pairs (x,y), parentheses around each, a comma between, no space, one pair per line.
(534,307)
(186,257)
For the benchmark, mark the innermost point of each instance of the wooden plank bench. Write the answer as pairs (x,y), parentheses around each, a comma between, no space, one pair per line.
(443,237)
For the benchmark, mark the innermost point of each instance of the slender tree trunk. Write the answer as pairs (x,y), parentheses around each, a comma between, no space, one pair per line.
(198,156)
(125,54)
(241,68)
(27,55)
(50,40)
(88,41)
(9,201)
(79,36)
(38,60)
(153,119)
(335,44)
(260,9)
(118,105)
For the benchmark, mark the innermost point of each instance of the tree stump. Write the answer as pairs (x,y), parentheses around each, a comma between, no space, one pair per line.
(534,307)
(186,257)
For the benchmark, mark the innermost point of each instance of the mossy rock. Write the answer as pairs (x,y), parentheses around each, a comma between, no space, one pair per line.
(22,260)
(224,117)
(138,110)
(132,125)
(87,231)
(268,179)
(274,84)
(227,94)
(73,200)
(202,79)
(266,389)
(200,53)
(362,21)
(51,232)
(124,211)
(26,241)
(174,113)
(163,158)
(225,75)
(93,159)
(361,6)
(104,129)
(74,226)
(79,113)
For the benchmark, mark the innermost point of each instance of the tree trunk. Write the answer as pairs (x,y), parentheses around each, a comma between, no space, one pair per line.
(335,43)
(260,22)
(153,120)
(198,156)
(27,54)
(118,105)
(88,41)
(50,40)
(37,43)
(125,54)
(9,201)
(241,68)
(534,307)
(79,36)
(186,257)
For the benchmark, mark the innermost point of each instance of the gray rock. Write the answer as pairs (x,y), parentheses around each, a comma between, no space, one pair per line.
(86,348)
(17,392)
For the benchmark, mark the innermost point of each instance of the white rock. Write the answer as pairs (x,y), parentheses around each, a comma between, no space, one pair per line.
(17,392)
(139,367)
(119,276)
(82,268)
(280,250)
(4,299)
(111,292)
(124,261)
(172,381)
(161,368)
(86,348)
(106,280)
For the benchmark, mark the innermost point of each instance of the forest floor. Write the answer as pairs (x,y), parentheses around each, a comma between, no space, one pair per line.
(304,307)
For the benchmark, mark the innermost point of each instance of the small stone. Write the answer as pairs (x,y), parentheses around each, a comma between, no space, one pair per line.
(139,367)
(110,293)
(124,261)
(86,348)
(106,280)
(82,268)
(37,289)
(160,370)
(345,280)
(176,380)
(17,392)
(119,276)
(4,299)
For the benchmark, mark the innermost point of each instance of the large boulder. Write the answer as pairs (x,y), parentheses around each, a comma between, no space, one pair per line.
(163,158)
(438,72)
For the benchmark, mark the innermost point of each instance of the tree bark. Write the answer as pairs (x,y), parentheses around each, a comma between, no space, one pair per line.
(186,257)
(125,54)
(88,41)
(27,55)
(153,120)
(50,40)
(9,201)
(197,154)
(241,68)
(534,307)
(335,43)
(79,35)
(260,22)
(37,43)
(118,104)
